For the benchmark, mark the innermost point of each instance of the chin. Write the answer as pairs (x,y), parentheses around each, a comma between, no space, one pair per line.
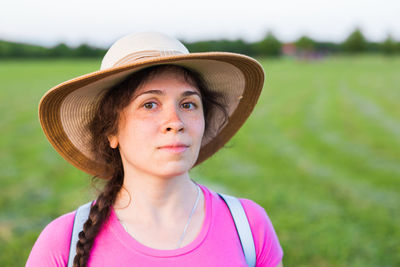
(172,169)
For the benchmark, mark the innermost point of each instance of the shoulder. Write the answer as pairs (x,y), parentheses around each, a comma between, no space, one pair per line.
(256,214)
(268,249)
(52,246)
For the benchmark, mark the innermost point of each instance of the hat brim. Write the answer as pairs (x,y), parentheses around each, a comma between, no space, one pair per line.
(66,108)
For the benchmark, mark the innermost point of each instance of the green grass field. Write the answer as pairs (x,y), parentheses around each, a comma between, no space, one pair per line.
(321,153)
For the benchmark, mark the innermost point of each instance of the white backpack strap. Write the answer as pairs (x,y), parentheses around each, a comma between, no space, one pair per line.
(242,227)
(81,215)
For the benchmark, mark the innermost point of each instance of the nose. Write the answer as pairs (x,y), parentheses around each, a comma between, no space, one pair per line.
(173,121)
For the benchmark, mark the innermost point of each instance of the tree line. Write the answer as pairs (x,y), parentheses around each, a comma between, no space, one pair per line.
(268,46)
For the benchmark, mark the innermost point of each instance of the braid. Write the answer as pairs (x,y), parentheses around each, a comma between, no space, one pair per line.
(99,213)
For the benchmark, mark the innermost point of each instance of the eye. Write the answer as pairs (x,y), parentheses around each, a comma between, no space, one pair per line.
(149,105)
(188,105)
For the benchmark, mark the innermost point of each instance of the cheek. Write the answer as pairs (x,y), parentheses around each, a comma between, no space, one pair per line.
(137,131)
(144,130)
(197,126)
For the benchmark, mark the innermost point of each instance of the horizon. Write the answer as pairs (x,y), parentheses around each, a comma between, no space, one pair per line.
(203,40)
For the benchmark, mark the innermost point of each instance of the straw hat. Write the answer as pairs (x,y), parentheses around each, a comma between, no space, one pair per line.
(66,109)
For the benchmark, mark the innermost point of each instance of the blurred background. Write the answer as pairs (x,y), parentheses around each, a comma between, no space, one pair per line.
(321,151)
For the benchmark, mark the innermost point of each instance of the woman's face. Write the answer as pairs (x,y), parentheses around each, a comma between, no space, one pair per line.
(160,131)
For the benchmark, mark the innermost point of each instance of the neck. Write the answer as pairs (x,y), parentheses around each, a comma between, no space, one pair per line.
(155,200)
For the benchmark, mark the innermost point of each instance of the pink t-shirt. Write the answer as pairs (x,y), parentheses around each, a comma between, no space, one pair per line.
(217,244)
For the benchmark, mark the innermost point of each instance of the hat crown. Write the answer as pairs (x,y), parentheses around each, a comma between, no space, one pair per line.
(135,47)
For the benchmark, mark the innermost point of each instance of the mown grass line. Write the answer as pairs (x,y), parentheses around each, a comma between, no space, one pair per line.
(342,150)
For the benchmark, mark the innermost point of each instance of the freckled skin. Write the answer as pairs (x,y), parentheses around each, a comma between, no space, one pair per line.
(165,110)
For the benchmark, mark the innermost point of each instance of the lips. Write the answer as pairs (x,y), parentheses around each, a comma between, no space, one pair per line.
(174,148)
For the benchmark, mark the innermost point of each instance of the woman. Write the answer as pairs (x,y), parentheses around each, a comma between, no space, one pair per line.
(141,123)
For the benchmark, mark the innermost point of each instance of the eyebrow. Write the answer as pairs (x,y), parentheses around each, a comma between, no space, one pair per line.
(159,92)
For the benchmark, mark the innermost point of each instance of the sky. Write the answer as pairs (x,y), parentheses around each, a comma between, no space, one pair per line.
(101,22)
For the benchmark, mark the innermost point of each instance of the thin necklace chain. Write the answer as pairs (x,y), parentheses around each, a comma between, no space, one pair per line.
(187,223)
(190,216)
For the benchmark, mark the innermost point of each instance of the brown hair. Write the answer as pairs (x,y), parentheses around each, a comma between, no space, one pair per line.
(105,123)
